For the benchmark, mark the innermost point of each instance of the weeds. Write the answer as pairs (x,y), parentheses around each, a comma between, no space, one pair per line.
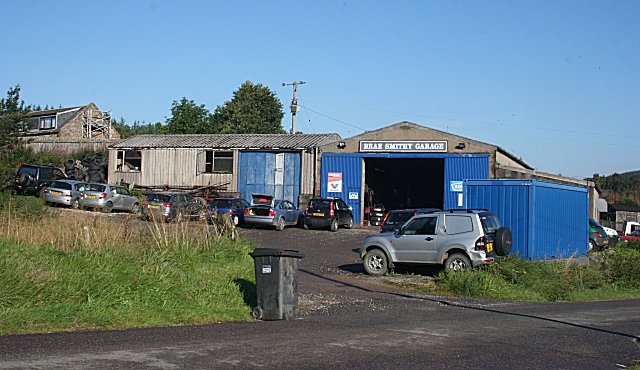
(613,273)
(90,271)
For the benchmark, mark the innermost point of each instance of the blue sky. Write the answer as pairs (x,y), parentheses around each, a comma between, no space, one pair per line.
(556,83)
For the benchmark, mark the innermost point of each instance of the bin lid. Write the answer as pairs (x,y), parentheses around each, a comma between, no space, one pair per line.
(260,252)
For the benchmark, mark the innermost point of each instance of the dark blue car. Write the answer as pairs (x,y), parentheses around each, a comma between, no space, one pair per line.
(397,217)
(235,207)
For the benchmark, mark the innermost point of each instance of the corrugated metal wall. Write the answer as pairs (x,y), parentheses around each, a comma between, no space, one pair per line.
(350,166)
(457,168)
(547,220)
(175,167)
(259,173)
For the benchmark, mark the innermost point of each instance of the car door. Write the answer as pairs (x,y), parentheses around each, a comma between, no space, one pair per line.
(417,240)
(127,198)
(342,212)
(115,198)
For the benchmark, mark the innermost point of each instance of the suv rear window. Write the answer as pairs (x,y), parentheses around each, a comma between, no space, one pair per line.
(490,222)
(30,170)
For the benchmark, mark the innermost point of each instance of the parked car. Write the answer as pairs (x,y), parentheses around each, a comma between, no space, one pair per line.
(328,213)
(265,210)
(66,192)
(31,179)
(456,239)
(235,207)
(598,238)
(172,206)
(394,219)
(108,197)
(612,234)
(634,236)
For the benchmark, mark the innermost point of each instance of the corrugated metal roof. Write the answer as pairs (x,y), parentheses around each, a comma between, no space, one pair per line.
(228,141)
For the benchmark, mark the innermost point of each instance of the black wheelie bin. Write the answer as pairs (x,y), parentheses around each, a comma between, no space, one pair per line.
(276,283)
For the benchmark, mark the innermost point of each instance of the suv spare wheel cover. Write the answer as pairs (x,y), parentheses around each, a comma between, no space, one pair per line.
(504,241)
(25,179)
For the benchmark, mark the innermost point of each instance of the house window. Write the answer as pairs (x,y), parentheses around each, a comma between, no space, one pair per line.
(128,160)
(213,161)
(47,123)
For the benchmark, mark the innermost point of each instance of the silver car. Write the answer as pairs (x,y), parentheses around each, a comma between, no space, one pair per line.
(107,197)
(267,211)
(456,239)
(66,192)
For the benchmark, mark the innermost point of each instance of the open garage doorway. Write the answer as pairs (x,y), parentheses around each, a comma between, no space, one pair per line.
(398,183)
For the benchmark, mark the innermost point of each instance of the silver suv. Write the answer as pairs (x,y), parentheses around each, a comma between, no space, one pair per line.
(458,239)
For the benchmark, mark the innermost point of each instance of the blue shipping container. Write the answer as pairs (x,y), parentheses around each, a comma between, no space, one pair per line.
(547,220)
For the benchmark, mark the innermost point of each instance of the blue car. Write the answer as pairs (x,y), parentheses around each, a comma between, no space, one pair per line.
(235,207)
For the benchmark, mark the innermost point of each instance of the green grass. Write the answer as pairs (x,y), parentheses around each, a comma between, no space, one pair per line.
(612,274)
(98,273)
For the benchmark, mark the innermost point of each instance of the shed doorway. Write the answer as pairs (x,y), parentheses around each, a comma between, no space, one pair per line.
(397,183)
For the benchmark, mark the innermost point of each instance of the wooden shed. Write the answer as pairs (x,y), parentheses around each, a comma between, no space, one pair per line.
(282,165)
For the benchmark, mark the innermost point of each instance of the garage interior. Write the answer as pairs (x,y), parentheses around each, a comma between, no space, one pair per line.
(398,183)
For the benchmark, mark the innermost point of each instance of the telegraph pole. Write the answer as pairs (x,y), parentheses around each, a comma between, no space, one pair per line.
(295,108)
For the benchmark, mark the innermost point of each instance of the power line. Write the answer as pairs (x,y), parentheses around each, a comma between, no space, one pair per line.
(485,122)
(337,120)
(307,113)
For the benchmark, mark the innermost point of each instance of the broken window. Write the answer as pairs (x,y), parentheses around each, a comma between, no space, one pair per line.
(214,161)
(128,160)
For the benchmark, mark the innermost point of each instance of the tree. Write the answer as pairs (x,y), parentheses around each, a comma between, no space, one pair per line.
(12,119)
(254,109)
(188,118)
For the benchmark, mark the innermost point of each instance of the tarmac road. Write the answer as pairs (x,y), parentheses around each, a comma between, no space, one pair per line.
(348,320)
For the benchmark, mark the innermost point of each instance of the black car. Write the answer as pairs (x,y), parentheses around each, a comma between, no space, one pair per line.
(394,219)
(32,179)
(328,213)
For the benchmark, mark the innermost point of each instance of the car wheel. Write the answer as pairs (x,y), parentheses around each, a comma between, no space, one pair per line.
(504,241)
(236,220)
(107,207)
(457,262)
(350,224)
(375,262)
(135,208)
(41,192)
(179,217)
(280,224)
(75,204)
(334,225)
(592,246)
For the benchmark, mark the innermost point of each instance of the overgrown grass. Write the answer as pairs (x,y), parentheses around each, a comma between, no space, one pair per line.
(98,272)
(612,274)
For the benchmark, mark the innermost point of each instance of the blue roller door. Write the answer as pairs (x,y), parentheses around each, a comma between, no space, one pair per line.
(273,173)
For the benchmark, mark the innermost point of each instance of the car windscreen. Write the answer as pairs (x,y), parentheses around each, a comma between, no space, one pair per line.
(95,187)
(220,203)
(60,185)
(395,218)
(161,198)
(490,222)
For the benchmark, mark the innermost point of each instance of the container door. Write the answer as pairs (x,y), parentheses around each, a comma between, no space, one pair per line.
(271,173)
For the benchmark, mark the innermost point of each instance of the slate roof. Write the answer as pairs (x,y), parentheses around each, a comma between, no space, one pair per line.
(64,115)
(227,141)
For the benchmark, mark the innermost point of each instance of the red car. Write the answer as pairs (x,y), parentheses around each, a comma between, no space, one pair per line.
(635,235)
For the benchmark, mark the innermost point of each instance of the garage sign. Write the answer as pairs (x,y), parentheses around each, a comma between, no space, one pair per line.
(404,146)
(334,182)
(456,186)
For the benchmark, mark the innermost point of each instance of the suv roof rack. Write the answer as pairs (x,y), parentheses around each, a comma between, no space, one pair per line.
(468,210)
